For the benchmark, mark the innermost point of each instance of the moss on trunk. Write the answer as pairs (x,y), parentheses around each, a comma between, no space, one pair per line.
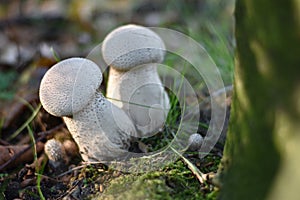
(261,149)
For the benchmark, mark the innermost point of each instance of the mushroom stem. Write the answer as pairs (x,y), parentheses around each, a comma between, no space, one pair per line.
(101,130)
(140,93)
(132,52)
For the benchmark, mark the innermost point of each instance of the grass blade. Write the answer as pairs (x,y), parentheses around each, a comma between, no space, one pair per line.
(26,123)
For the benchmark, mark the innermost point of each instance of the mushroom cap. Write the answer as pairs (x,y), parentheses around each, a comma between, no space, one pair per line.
(69,85)
(132,45)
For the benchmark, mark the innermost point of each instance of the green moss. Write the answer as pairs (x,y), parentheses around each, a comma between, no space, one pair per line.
(175,181)
(263,87)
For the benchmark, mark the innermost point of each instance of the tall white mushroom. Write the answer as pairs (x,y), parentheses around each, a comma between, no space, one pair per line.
(132,52)
(101,130)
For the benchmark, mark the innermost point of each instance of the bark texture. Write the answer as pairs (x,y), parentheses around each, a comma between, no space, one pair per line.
(261,157)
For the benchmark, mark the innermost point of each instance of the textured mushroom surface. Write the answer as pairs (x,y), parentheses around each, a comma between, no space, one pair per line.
(131,45)
(134,85)
(101,130)
(54,150)
(142,97)
(195,142)
(69,85)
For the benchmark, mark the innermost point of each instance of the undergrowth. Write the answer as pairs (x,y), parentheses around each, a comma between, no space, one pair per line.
(174,181)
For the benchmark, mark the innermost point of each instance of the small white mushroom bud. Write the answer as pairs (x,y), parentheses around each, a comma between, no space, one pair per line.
(101,130)
(132,52)
(55,153)
(195,142)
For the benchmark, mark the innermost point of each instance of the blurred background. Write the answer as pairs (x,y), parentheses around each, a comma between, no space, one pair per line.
(36,30)
(35,34)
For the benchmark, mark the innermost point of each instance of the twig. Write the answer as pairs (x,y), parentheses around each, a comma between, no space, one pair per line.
(78,167)
(70,170)
(200,176)
(43,136)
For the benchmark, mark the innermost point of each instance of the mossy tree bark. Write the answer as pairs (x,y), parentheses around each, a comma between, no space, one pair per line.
(262,153)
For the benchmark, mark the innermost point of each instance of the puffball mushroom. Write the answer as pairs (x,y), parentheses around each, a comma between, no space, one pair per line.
(195,142)
(132,52)
(55,152)
(101,130)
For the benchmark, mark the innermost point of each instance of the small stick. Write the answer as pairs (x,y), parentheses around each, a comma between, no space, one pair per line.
(43,136)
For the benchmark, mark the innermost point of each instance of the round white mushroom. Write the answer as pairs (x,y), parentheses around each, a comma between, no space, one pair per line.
(101,130)
(68,86)
(55,153)
(195,142)
(132,52)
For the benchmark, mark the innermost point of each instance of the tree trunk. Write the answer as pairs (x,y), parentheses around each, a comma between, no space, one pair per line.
(261,158)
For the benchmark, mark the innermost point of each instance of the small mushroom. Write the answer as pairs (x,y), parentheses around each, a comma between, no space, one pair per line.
(55,153)
(195,142)
(132,52)
(101,130)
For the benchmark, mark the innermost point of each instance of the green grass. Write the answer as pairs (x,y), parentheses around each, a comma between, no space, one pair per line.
(212,27)
(217,41)
(26,123)
(39,169)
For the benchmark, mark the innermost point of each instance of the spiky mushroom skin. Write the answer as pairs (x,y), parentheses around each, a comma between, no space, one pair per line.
(55,152)
(195,142)
(101,130)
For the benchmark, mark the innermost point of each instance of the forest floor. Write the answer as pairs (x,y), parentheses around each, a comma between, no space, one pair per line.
(34,36)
